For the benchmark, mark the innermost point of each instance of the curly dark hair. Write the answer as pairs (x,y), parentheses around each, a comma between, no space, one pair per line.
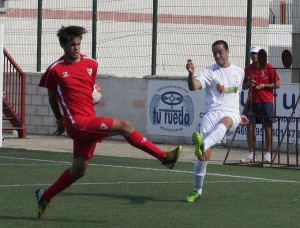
(67,33)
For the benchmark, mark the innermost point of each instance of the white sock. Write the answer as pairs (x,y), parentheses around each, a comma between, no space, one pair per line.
(216,136)
(199,175)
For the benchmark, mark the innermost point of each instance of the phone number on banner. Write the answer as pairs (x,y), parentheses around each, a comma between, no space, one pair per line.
(291,133)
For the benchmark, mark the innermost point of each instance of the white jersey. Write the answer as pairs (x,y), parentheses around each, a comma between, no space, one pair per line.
(222,87)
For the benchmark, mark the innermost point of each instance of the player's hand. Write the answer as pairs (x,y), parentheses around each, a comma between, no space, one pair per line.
(252,83)
(260,87)
(60,127)
(244,120)
(190,66)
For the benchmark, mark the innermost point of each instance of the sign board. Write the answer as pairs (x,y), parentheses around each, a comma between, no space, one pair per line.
(174,110)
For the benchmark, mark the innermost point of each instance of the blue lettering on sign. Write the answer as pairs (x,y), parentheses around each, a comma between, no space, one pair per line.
(171,116)
(287,102)
(293,101)
(201,114)
(176,117)
(171,108)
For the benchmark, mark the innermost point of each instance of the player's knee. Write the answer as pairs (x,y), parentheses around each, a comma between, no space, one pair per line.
(228,122)
(78,172)
(126,126)
(267,125)
(204,158)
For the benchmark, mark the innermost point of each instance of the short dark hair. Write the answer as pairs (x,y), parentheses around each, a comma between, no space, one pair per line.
(66,34)
(221,42)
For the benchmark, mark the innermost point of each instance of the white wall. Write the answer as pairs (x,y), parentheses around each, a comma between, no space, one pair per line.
(123,98)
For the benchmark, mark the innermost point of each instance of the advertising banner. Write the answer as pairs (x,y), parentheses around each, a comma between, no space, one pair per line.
(174,110)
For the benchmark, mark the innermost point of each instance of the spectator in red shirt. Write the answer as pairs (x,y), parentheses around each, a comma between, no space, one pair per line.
(259,108)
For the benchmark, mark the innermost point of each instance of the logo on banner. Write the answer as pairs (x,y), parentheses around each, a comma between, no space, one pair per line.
(171,110)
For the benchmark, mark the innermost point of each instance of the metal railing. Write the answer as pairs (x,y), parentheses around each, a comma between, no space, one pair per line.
(14,92)
(282,156)
(121,34)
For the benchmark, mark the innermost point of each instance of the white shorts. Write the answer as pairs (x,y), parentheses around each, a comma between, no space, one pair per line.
(212,119)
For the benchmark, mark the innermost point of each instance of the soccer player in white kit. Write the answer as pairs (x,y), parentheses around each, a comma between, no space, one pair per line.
(222,82)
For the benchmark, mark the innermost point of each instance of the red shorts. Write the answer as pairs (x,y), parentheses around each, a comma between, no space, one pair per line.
(86,132)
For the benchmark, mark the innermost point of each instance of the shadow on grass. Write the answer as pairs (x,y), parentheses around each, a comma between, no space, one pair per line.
(138,200)
(31,219)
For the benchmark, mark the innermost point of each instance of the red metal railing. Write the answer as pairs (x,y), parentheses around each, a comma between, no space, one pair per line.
(14,91)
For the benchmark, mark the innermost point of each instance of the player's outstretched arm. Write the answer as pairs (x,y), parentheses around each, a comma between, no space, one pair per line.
(192,82)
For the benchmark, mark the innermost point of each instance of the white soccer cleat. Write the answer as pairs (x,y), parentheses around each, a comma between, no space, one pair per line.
(267,157)
(248,158)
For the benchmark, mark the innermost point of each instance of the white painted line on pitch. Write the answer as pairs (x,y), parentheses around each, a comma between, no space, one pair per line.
(101,183)
(33,159)
(132,183)
(253,178)
(154,169)
(29,164)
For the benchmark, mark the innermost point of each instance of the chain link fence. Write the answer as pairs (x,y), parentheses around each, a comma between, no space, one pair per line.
(124,32)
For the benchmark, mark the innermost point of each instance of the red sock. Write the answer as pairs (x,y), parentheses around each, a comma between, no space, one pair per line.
(141,142)
(64,181)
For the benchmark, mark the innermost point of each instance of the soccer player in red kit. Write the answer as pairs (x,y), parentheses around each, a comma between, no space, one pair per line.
(70,82)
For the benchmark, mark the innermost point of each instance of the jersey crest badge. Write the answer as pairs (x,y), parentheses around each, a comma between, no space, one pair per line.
(90,71)
(103,126)
(220,88)
(65,74)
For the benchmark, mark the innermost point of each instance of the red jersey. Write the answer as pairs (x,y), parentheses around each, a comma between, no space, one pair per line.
(261,76)
(73,83)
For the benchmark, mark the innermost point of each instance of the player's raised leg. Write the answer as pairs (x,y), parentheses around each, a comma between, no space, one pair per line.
(137,140)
